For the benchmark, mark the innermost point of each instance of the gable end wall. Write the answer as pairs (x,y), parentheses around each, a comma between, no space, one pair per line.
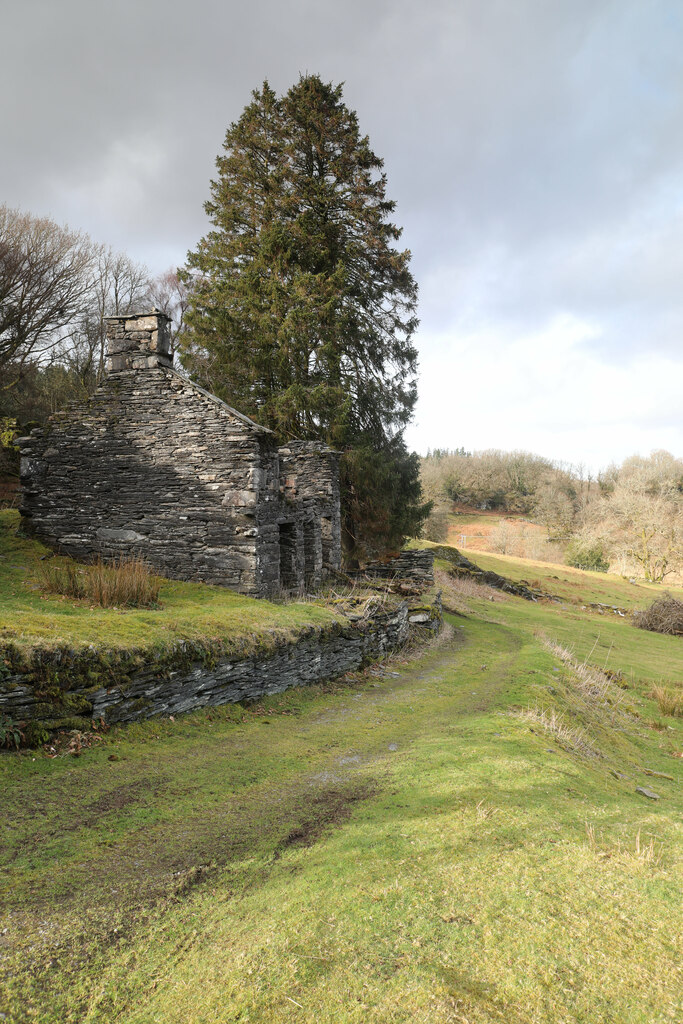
(150,466)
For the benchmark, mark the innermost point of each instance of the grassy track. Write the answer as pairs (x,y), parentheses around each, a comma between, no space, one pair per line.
(396,848)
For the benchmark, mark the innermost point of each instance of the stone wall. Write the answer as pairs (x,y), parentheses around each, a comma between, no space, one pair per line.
(154,466)
(462,566)
(412,571)
(309,499)
(317,654)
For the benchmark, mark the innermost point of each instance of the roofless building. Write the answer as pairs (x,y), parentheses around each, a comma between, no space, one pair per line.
(154,466)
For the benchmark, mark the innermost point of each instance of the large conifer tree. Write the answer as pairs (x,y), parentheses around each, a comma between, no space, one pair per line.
(302,310)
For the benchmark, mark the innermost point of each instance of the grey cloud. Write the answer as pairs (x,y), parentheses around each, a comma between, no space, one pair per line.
(535,149)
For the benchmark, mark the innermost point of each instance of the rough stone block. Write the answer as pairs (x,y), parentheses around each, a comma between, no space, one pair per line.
(118,536)
(142,323)
(242,499)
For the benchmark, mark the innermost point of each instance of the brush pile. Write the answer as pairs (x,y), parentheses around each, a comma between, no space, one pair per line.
(665,615)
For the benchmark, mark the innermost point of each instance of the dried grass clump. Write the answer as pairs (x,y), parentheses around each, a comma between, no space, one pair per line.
(125,583)
(470,588)
(590,697)
(665,615)
(484,811)
(592,689)
(646,853)
(555,725)
(457,589)
(670,701)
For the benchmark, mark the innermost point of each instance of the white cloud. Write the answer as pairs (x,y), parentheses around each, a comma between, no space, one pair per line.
(549,392)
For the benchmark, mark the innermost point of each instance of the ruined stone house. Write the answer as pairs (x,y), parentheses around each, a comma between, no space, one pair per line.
(153,465)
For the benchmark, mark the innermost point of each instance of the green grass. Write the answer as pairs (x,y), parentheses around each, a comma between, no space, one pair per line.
(574,585)
(599,637)
(188,611)
(393,848)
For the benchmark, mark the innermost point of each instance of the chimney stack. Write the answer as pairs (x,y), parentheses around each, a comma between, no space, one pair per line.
(138,342)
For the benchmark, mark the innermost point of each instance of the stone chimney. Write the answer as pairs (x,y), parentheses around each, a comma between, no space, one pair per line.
(138,342)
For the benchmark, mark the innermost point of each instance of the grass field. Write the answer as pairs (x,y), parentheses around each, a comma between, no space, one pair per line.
(453,836)
(576,585)
(31,618)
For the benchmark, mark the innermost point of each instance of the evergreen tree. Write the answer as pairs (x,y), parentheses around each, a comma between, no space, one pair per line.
(302,311)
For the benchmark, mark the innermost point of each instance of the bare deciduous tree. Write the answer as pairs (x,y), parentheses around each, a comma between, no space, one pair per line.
(639,517)
(56,288)
(510,481)
(119,285)
(46,274)
(554,508)
(171,295)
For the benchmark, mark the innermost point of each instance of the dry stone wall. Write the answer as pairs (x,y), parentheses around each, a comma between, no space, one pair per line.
(317,655)
(411,570)
(310,500)
(151,467)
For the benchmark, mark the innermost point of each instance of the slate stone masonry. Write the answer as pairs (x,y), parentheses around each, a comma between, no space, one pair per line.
(411,570)
(316,655)
(154,466)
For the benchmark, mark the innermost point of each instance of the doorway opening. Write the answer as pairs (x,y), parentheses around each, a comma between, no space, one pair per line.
(289,578)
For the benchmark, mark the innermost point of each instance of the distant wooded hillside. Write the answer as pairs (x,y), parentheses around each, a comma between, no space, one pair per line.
(628,518)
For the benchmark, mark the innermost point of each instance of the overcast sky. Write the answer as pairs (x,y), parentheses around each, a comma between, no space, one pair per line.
(534,149)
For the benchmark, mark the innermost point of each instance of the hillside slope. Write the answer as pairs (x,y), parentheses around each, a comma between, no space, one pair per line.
(456,836)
